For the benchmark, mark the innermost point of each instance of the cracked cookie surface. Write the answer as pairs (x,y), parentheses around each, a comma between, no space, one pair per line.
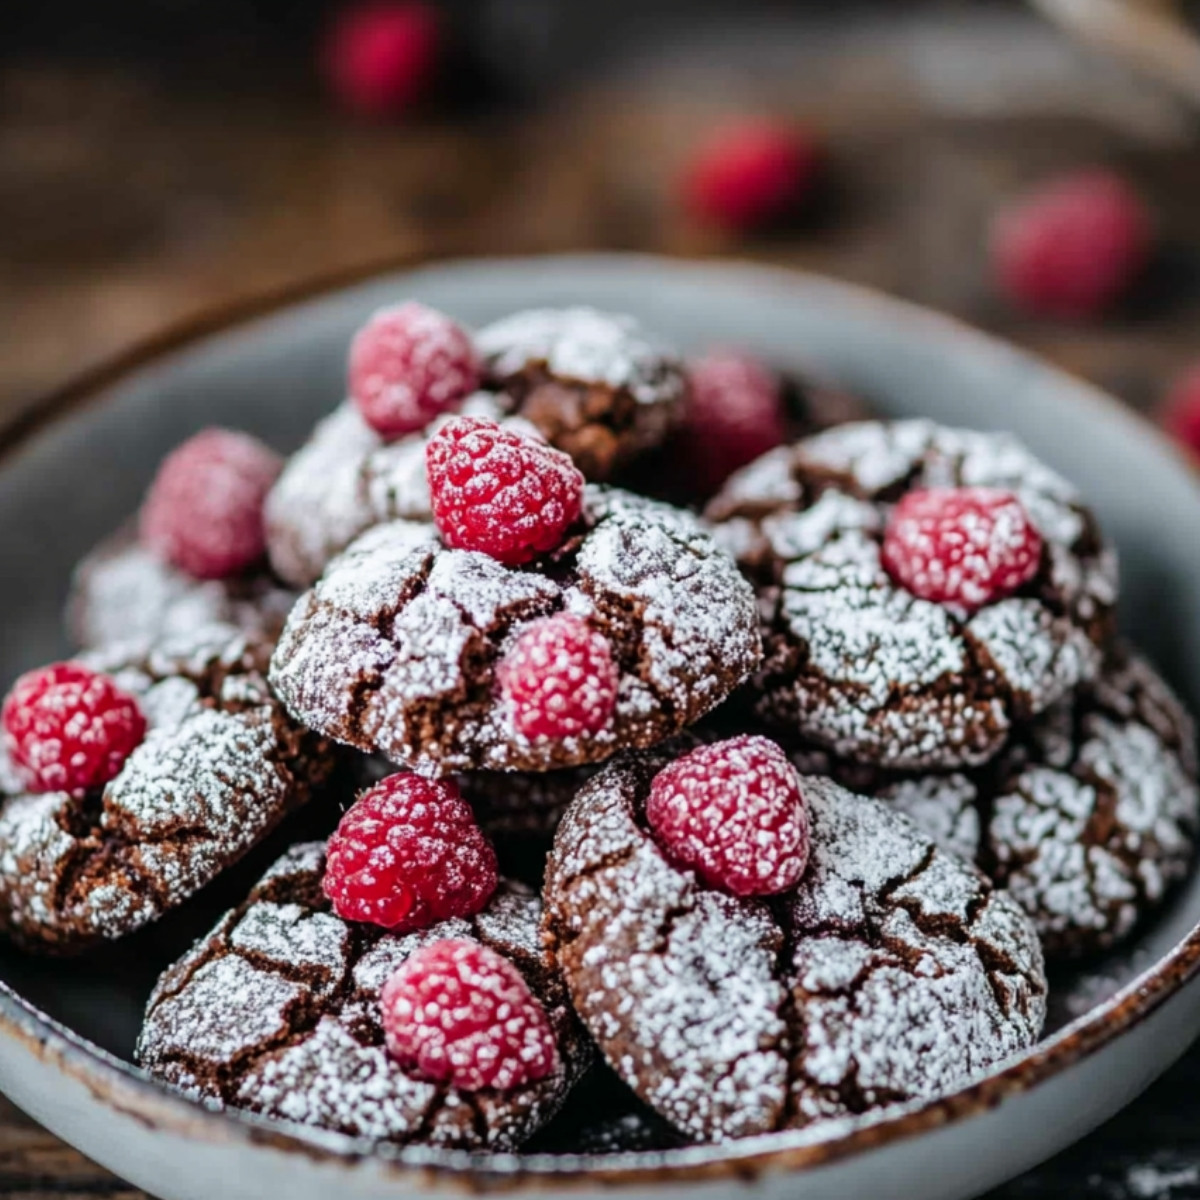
(395,649)
(853,661)
(345,480)
(893,972)
(595,384)
(124,592)
(1088,818)
(220,766)
(277,1011)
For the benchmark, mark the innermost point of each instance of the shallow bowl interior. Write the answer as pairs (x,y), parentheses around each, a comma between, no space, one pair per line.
(78,477)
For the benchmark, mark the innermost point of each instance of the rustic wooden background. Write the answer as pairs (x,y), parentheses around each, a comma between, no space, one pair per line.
(134,194)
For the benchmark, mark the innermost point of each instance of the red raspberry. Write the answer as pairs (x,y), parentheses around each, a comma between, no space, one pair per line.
(408,365)
(380,58)
(560,679)
(498,492)
(735,413)
(457,1012)
(733,812)
(407,855)
(1180,411)
(965,547)
(204,510)
(749,174)
(69,729)
(1073,248)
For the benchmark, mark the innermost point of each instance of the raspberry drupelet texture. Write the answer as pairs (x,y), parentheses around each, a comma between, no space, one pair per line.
(560,679)
(408,365)
(381,56)
(962,547)
(1073,248)
(457,1012)
(734,813)
(204,510)
(750,173)
(69,729)
(735,413)
(506,495)
(408,854)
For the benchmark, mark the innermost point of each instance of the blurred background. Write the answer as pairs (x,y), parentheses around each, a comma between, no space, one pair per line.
(164,159)
(159,158)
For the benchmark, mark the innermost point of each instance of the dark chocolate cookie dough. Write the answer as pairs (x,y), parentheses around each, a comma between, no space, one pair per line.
(856,663)
(277,1011)
(124,592)
(394,651)
(221,765)
(1088,818)
(893,972)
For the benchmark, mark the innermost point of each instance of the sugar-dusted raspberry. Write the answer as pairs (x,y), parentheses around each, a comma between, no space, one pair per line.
(733,812)
(380,57)
(559,679)
(408,365)
(750,173)
(408,854)
(963,547)
(457,1012)
(69,729)
(1179,414)
(1074,247)
(499,492)
(204,510)
(735,413)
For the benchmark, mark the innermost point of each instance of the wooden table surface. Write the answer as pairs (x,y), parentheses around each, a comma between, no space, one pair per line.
(130,199)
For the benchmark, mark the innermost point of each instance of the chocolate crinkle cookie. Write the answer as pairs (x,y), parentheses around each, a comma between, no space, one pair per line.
(591,384)
(278,1011)
(891,972)
(345,480)
(595,384)
(123,591)
(857,662)
(1089,817)
(220,765)
(396,649)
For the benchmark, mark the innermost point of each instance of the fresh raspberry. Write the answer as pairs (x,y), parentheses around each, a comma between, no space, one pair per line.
(380,58)
(1073,248)
(204,510)
(408,365)
(457,1012)
(964,547)
(1180,411)
(560,679)
(407,855)
(749,174)
(498,492)
(735,413)
(733,812)
(69,729)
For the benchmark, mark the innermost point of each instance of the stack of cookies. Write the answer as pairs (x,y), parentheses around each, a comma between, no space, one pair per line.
(682,739)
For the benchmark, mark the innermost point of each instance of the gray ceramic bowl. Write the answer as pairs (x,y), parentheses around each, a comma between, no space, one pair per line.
(80,468)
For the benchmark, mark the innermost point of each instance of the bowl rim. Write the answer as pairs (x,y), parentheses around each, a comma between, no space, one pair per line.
(127,1090)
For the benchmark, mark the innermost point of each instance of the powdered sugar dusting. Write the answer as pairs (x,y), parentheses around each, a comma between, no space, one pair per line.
(585,346)
(278,1011)
(395,649)
(1091,815)
(346,479)
(892,972)
(124,591)
(858,664)
(219,766)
